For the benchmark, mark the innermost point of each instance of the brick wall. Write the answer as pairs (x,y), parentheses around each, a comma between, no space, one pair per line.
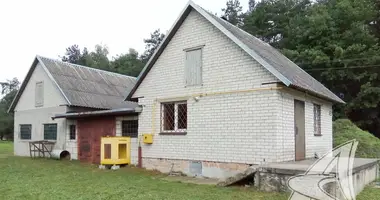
(251,127)
(314,144)
(90,131)
(236,127)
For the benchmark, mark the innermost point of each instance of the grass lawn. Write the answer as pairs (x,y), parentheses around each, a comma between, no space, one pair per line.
(24,178)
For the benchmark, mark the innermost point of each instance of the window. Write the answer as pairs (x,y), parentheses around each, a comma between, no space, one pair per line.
(317,120)
(193,67)
(50,131)
(25,131)
(129,128)
(72,129)
(174,117)
(39,95)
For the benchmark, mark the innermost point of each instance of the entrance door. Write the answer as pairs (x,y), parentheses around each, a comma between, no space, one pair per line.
(299,129)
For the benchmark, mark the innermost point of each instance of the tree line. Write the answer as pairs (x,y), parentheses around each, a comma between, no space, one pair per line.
(130,63)
(335,41)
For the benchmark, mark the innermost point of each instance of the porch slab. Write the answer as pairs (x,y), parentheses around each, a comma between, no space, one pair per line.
(300,167)
(274,176)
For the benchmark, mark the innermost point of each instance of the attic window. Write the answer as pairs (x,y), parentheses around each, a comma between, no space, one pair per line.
(193,67)
(39,94)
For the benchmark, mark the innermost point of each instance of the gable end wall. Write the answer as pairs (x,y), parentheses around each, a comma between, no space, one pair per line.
(234,127)
(27,113)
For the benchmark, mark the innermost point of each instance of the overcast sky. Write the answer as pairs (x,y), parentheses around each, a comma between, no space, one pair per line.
(47,27)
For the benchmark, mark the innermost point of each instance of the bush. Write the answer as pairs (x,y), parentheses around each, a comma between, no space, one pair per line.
(344,130)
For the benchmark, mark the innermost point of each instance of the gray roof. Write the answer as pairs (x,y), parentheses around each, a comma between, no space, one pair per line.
(280,66)
(84,86)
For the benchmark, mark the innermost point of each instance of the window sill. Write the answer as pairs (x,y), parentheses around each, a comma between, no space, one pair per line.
(49,140)
(318,135)
(173,133)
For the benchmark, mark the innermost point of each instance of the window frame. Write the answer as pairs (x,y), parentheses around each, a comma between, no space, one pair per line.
(30,133)
(317,118)
(125,130)
(70,132)
(176,130)
(56,130)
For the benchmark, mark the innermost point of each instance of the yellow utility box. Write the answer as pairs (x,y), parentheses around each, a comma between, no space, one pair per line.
(148,138)
(115,150)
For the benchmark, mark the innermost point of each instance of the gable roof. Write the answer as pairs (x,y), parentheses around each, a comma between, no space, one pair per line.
(271,59)
(83,86)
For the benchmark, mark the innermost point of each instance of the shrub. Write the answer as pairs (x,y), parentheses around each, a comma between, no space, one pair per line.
(344,130)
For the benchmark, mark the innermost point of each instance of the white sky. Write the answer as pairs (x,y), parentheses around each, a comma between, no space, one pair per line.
(47,27)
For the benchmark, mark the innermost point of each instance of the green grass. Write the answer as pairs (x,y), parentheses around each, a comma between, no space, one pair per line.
(345,130)
(25,178)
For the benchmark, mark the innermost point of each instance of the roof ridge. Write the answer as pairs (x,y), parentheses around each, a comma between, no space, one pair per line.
(77,65)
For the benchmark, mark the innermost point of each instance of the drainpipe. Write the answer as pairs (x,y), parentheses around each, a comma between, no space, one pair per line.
(139,155)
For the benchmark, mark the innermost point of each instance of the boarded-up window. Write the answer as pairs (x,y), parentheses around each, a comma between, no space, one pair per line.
(193,67)
(25,131)
(129,128)
(317,119)
(50,131)
(174,117)
(39,95)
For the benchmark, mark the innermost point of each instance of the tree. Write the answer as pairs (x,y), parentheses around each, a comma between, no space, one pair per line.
(128,64)
(269,19)
(96,59)
(336,41)
(9,89)
(72,55)
(9,85)
(151,44)
(233,12)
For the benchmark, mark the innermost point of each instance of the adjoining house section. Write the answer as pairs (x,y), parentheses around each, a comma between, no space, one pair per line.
(52,88)
(218,100)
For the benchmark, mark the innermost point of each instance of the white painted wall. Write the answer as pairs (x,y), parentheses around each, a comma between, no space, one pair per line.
(252,127)
(52,96)
(26,112)
(134,141)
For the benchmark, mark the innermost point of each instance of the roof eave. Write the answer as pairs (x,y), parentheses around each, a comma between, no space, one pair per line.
(333,100)
(161,48)
(113,112)
(23,85)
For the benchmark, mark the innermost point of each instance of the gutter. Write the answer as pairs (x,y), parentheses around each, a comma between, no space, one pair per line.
(118,111)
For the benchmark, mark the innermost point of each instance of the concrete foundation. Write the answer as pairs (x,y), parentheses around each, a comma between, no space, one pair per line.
(205,169)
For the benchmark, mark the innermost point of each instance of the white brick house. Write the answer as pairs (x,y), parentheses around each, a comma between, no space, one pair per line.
(218,100)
